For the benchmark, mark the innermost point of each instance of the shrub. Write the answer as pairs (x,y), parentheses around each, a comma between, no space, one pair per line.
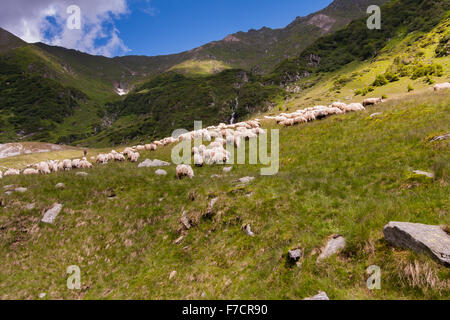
(380,81)
(391,77)
(410,88)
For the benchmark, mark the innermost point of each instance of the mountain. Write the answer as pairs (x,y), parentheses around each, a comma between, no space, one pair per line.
(166,92)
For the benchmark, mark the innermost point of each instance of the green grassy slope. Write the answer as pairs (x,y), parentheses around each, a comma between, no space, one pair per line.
(348,174)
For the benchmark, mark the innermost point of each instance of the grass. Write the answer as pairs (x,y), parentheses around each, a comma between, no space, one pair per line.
(347,175)
(200,67)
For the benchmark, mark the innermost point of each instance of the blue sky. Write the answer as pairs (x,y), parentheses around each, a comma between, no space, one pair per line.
(171,26)
(145,27)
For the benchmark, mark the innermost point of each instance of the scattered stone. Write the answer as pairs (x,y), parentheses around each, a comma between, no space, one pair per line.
(334,245)
(246,179)
(8,193)
(295,254)
(30,206)
(248,230)
(51,214)
(60,186)
(373,115)
(82,174)
(8,186)
(214,176)
(424,173)
(441,138)
(428,239)
(227,169)
(161,172)
(155,163)
(42,295)
(21,190)
(179,240)
(172,275)
(320,296)
(210,209)
(185,221)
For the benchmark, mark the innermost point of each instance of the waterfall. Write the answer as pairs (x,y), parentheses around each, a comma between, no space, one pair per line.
(233,115)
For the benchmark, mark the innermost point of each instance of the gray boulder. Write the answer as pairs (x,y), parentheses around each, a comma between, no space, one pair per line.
(334,245)
(51,214)
(320,296)
(421,238)
(161,172)
(424,173)
(151,164)
(295,254)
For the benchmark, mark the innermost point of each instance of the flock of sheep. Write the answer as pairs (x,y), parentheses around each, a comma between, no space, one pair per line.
(214,153)
(47,167)
(320,112)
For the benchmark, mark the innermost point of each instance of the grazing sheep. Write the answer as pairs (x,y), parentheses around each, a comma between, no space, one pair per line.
(339,105)
(140,148)
(355,107)
(134,157)
(43,168)
(372,101)
(184,170)
(198,160)
(53,165)
(67,164)
(151,147)
(102,159)
(11,172)
(441,86)
(84,164)
(30,171)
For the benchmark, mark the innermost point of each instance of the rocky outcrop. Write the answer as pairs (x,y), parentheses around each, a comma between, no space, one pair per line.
(51,214)
(421,238)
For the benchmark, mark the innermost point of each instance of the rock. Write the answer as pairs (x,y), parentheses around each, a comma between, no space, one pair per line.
(8,186)
(373,115)
(30,206)
(334,245)
(210,209)
(295,254)
(155,163)
(185,221)
(42,295)
(51,214)
(20,190)
(248,230)
(214,176)
(320,296)
(172,275)
(422,238)
(8,193)
(60,186)
(424,173)
(227,169)
(161,172)
(441,138)
(82,174)
(179,240)
(246,179)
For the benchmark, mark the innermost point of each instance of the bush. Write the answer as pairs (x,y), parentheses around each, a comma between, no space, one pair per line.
(380,81)
(391,77)
(410,88)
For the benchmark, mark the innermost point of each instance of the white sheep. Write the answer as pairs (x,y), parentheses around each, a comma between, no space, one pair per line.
(184,170)
(11,172)
(441,86)
(372,101)
(134,157)
(67,164)
(198,160)
(43,168)
(30,171)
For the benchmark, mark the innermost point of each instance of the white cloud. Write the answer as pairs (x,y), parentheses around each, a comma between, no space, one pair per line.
(98,35)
